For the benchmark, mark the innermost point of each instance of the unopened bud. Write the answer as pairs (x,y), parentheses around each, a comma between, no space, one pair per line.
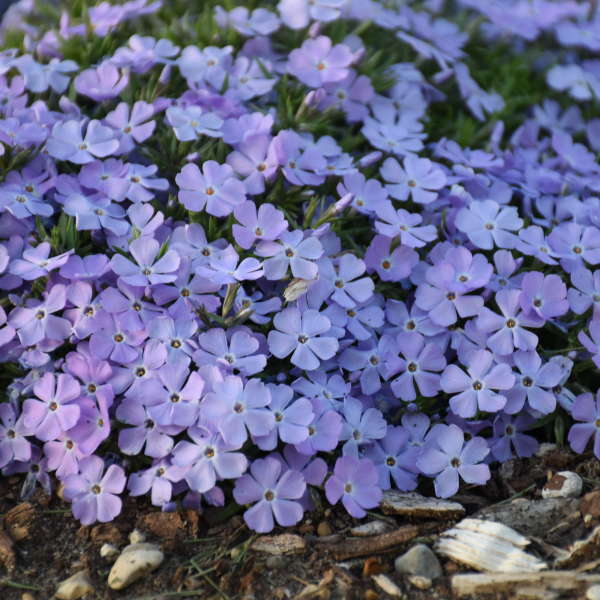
(296,288)
(369,159)
(232,290)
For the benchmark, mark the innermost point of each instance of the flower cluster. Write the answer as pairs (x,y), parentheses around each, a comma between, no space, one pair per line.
(254,257)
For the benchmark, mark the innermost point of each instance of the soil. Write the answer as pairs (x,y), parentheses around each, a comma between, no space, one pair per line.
(209,555)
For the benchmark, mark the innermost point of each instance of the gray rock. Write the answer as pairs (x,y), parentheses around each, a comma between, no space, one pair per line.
(565,484)
(415,506)
(420,560)
(530,517)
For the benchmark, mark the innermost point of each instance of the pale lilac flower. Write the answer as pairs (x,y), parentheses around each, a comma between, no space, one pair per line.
(265,223)
(585,292)
(133,123)
(192,121)
(101,83)
(361,426)
(403,224)
(14,445)
(66,142)
(158,480)
(586,410)
(420,178)
(36,262)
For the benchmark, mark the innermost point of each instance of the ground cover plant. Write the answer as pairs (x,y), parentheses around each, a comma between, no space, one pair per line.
(268,255)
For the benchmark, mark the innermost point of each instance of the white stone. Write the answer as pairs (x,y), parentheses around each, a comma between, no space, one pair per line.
(370,528)
(75,587)
(593,593)
(387,585)
(108,551)
(135,561)
(420,582)
(565,484)
(136,537)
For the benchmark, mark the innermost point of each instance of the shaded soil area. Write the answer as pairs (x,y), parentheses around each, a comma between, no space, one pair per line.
(212,555)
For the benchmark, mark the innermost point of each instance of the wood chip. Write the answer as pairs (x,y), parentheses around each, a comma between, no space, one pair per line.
(7,553)
(286,543)
(352,547)
(18,520)
(488,546)
(496,583)
(419,507)
(581,550)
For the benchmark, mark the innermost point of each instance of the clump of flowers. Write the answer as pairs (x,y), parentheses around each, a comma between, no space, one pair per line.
(294,250)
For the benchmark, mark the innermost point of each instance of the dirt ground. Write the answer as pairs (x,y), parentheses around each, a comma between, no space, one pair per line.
(210,555)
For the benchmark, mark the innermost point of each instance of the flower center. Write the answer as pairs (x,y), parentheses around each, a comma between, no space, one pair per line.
(83,146)
(527,381)
(374,360)
(320,66)
(258,232)
(477,385)
(412,183)
(386,264)
(135,179)
(351,313)
(509,430)
(127,129)
(412,367)
(96,489)
(11,433)
(40,314)
(140,372)
(489,226)
(577,249)
(510,323)
(348,488)
(175,398)
(209,191)
(451,296)
(21,199)
(88,311)
(69,445)
(390,461)
(261,167)
(53,406)
(91,388)
(289,252)
(302,338)
(356,434)
(410,325)
(537,302)
(118,338)
(238,408)
(175,344)
(269,496)
(278,417)
(455,462)
(29,188)
(136,305)
(185,292)
(339,283)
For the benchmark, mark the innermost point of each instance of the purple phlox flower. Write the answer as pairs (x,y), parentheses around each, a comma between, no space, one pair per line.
(223,268)
(508,436)
(36,321)
(533,242)
(39,77)
(297,14)
(324,431)
(147,270)
(143,52)
(399,138)
(36,262)
(255,306)
(508,329)
(145,222)
(92,494)
(37,473)
(344,282)
(551,116)
(447,456)
(575,245)
(361,426)
(478,100)
(133,123)
(585,409)
(417,424)
(355,481)
(193,121)
(299,161)
(113,340)
(394,223)
(189,291)
(351,95)
(91,212)
(63,456)
(534,383)
(108,177)
(93,373)
(577,156)
(301,334)
(14,445)
(54,412)
(93,426)
(544,297)
(371,361)
(487,224)
(476,389)
(173,396)
(331,389)
(317,61)
(292,418)
(592,342)
(238,129)
(274,490)
(142,180)
(66,141)
(235,407)
(208,458)
(79,296)
(444,293)
(209,65)
(389,262)
(258,22)
(237,355)
(367,194)
(395,459)
(408,321)
(255,161)
(176,335)
(420,364)
(23,197)
(292,250)
(249,78)
(102,83)
(190,241)
(215,187)
(128,379)
(158,480)
(359,321)
(420,178)
(144,431)
(265,223)
(585,292)
(127,303)
(506,267)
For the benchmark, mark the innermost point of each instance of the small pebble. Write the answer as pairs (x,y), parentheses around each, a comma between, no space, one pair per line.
(371,528)
(420,560)
(108,551)
(421,583)
(135,561)
(387,585)
(27,596)
(323,529)
(136,537)
(565,484)
(75,587)
(593,593)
